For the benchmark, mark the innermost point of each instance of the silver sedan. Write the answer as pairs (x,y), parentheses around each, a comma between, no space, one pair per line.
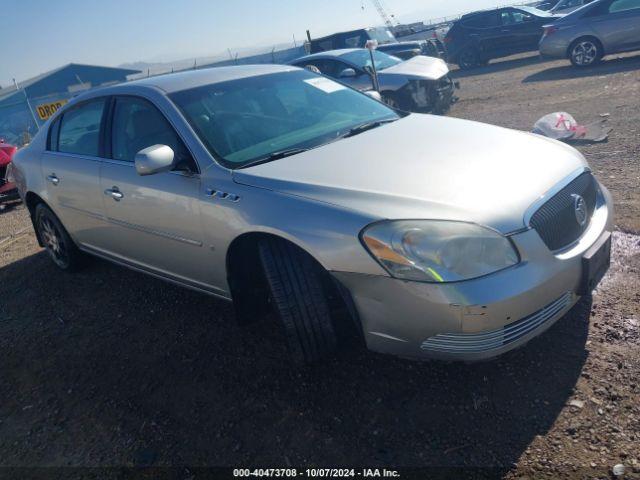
(275,188)
(600,28)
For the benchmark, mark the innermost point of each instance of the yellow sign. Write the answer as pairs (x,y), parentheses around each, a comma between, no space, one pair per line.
(47,109)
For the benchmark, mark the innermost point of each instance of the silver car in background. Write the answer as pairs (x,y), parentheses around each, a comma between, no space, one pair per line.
(276,188)
(599,28)
(419,84)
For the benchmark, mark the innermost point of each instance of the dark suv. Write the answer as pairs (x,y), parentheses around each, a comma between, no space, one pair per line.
(387,43)
(480,36)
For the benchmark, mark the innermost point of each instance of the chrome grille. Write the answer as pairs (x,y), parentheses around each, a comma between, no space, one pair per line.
(495,339)
(555,221)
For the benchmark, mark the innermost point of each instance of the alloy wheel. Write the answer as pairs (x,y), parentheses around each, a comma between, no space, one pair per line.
(54,242)
(584,53)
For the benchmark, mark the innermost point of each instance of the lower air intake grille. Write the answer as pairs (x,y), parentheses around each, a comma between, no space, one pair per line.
(460,343)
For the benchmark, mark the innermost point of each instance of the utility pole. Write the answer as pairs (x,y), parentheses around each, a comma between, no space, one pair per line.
(33,115)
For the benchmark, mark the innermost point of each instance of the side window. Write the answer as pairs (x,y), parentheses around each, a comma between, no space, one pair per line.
(54,132)
(353,42)
(333,68)
(485,20)
(323,66)
(325,45)
(623,5)
(520,17)
(137,124)
(514,17)
(80,129)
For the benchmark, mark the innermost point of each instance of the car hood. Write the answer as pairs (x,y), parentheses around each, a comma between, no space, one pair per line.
(428,167)
(418,67)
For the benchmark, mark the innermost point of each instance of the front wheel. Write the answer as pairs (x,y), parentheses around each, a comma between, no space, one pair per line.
(296,286)
(55,239)
(585,52)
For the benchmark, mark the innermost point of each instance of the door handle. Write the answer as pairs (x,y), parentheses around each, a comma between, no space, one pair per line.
(115,193)
(53,179)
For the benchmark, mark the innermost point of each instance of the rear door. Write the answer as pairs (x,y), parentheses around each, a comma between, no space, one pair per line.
(153,221)
(484,32)
(71,166)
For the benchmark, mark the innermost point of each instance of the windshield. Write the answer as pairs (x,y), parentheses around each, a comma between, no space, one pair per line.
(381,34)
(362,58)
(245,120)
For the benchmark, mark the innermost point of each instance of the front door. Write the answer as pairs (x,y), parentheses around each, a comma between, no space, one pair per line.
(618,25)
(154,220)
(71,167)
(522,30)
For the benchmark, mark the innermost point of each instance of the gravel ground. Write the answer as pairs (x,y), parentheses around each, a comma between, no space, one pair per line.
(111,368)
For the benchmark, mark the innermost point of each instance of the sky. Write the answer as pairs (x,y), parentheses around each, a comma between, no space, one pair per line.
(39,35)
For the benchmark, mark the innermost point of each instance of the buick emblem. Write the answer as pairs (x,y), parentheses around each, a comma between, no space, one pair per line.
(580,209)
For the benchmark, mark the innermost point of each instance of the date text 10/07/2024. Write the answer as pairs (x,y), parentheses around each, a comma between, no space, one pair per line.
(316,472)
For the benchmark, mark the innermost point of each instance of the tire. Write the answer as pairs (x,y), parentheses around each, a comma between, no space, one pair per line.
(468,58)
(585,52)
(296,288)
(57,242)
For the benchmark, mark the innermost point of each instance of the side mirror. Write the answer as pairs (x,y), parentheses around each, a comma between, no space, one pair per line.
(373,94)
(154,159)
(347,73)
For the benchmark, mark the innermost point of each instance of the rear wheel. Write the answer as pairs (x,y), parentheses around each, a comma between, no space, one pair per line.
(296,288)
(468,58)
(57,242)
(585,52)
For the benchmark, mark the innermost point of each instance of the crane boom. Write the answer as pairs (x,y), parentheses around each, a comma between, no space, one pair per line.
(382,12)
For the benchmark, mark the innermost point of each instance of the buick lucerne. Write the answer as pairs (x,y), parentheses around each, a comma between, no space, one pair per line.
(276,188)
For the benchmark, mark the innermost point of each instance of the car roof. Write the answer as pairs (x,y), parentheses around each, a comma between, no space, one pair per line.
(173,82)
(329,53)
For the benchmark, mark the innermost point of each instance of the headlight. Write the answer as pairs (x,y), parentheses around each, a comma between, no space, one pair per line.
(438,250)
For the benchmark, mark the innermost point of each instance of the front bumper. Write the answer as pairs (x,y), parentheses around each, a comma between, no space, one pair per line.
(480,318)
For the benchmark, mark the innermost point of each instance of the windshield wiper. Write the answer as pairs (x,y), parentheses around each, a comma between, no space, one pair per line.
(366,126)
(274,156)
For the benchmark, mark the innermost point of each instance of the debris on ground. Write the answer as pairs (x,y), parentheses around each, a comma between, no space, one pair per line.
(562,126)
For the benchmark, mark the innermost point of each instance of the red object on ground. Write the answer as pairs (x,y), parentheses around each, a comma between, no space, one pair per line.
(8,190)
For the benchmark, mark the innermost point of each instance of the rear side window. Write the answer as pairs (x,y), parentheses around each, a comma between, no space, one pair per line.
(137,124)
(80,129)
(624,5)
(485,20)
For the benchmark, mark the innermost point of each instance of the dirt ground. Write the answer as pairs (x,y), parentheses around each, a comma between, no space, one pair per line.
(109,368)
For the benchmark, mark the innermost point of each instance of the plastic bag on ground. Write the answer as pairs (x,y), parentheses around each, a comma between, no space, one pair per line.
(562,126)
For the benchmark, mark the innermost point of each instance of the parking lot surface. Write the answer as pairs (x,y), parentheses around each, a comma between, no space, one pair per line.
(108,367)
